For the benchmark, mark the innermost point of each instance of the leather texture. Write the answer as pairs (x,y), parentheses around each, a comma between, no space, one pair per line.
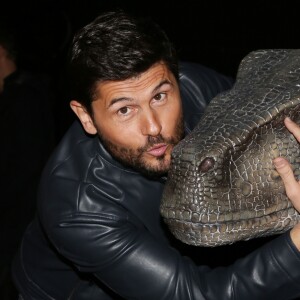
(98,233)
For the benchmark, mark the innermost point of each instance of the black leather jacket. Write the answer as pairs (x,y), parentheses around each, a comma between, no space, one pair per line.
(98,233)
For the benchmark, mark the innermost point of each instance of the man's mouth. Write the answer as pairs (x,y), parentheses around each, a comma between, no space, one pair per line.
(158,150)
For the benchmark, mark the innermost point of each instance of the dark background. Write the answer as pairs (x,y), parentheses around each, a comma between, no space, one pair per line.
(217,34)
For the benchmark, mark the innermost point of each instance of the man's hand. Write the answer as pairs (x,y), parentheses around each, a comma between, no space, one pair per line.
(292,186)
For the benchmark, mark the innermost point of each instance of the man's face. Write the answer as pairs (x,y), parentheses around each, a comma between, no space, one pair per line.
(139,120)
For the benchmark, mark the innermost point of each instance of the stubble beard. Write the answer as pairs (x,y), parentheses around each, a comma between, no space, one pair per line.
(134,158)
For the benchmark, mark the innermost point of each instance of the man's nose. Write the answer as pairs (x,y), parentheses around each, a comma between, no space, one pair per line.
(151,125)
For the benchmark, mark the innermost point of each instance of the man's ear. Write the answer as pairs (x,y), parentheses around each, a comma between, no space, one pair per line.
(84,117)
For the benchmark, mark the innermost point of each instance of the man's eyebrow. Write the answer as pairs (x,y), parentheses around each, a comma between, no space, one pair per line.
(115,100)
(166,81)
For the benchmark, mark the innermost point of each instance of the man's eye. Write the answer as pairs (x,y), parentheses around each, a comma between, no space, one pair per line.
(124,111)
(159,97)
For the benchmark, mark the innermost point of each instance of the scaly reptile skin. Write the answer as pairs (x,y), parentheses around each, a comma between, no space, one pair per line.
(222,186)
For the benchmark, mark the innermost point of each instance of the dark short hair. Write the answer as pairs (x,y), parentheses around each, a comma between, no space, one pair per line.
(116,46)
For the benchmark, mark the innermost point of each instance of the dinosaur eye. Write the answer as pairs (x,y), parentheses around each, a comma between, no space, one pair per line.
(207,164)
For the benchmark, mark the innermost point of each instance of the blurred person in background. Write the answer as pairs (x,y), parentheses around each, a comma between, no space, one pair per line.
(27,137)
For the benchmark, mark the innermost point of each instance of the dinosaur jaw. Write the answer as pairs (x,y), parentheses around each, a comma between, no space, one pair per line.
(212,234)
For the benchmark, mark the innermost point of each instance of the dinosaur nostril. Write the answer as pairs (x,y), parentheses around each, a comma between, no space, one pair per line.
(206,164)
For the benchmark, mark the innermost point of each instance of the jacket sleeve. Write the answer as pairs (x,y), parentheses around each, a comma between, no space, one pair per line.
(198,85)
(123,255)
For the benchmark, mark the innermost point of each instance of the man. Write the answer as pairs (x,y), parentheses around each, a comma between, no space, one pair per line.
(98,233)
(25,102)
